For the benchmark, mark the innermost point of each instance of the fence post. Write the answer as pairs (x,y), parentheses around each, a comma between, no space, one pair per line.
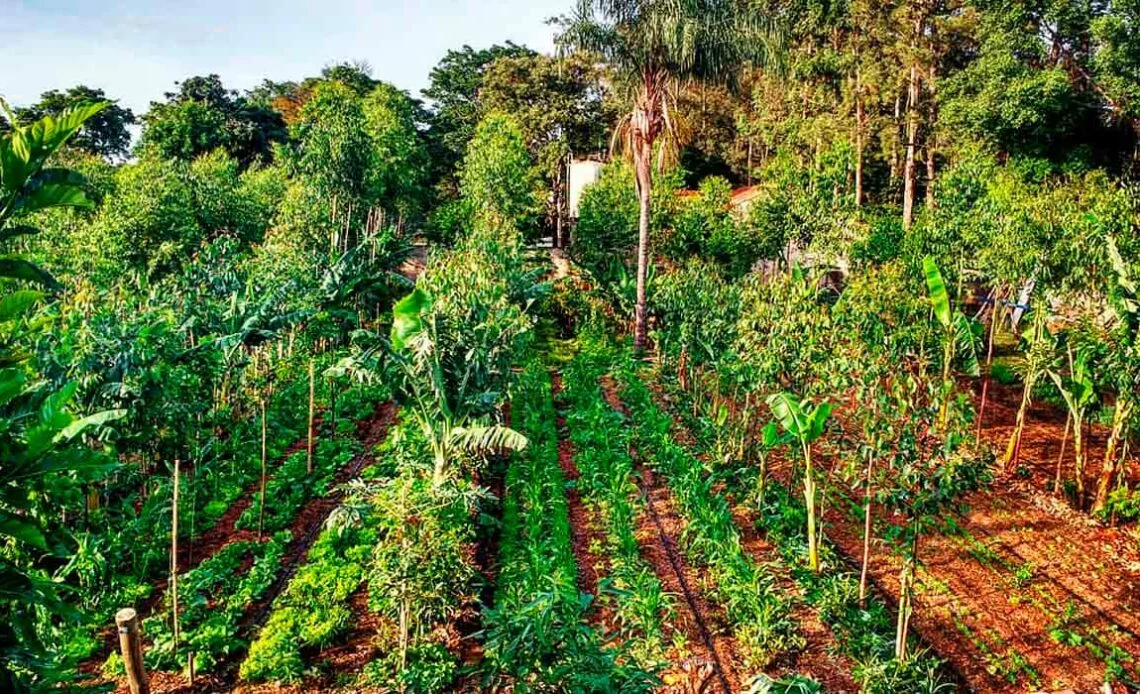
(130,643)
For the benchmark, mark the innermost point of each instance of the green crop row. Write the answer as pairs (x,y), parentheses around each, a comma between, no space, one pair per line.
(536,634)
(760,616)
(606,483)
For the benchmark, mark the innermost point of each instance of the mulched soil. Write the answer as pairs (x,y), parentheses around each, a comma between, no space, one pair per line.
(975,611)
(710,658)
(305,529)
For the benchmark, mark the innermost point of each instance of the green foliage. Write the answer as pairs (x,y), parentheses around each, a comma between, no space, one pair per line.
(203,116)
(758,613)
(607,484)
(453,88)
(536,636)
(497,182)
(104,134)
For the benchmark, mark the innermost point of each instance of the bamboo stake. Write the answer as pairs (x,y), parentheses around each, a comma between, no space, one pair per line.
(312,378)
(174,557)
(264,462)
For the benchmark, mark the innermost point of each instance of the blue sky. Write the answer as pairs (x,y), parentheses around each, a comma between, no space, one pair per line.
(135,50)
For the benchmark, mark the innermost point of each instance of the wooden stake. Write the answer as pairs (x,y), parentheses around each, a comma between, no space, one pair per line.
(311,393)
(127,621)
(264,462)
(174,557)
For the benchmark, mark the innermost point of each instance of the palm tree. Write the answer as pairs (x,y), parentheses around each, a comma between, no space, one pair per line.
(657,47)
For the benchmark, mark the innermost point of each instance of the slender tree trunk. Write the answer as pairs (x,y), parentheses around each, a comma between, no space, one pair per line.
(264,469)
(994,320)
(1013,448)
(1079,459)
(866,534)
(1061,455)
(930,142)
(312,408)
(858,139)
(644,189)
(911,140)
(906,598)
(1119,418)
(174,558)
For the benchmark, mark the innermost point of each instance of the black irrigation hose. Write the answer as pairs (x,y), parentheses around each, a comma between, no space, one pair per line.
(675,561)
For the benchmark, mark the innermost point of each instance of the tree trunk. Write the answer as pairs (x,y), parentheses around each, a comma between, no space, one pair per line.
(1119,418)
(930,142)
(644,189)
(858,141)
(1061,455)
(911,139)
(995,318)
(866,535)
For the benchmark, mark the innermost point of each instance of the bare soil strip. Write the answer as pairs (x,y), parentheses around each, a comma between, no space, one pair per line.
(707,641)
(584,530)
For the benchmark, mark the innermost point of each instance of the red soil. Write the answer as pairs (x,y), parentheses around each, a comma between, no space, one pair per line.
(710,658)
(583,525)
(1000,630)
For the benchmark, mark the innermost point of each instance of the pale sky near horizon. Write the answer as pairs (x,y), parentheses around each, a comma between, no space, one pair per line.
(136,50)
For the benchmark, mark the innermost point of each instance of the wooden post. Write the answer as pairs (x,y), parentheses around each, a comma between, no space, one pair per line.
(311,393)
(130,643)
(174,556)
(264,455)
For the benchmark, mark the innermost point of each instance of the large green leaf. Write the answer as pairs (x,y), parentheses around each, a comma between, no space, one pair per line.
(83,424)
(51,195)
(17,303)
(818,420)
(936,287)
(407,317)
(21,530)
(487,439)
(20,269)
(789,413)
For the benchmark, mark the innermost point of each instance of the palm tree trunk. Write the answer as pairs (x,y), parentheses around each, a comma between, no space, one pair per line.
(643,136)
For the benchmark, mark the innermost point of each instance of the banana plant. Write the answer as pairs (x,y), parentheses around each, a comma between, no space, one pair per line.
(39,436)
(958,339)
(1078,391)
(1126,367)
(803,424)
(449,393)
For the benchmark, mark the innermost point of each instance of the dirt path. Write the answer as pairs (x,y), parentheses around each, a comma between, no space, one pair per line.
(709,654)
(585,533)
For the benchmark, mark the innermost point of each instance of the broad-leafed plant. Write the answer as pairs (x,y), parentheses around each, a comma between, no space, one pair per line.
(803,424)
